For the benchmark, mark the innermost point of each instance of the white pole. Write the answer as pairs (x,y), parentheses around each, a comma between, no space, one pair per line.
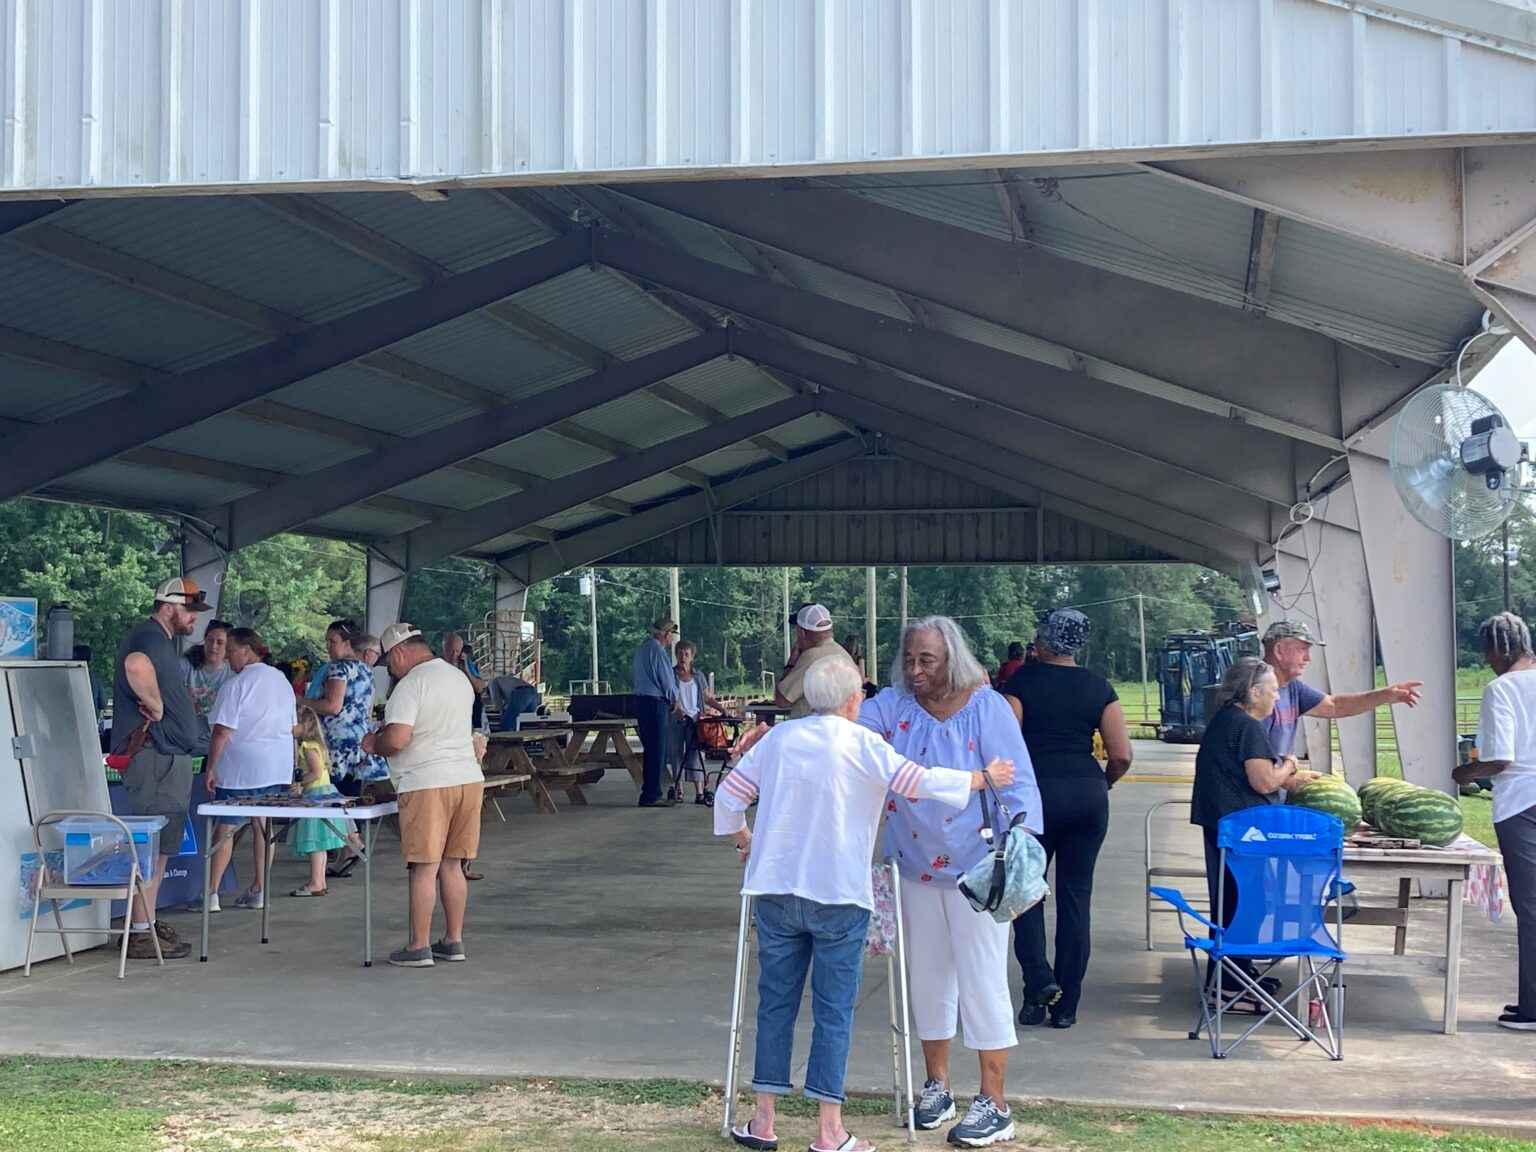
(903,597)
(871,639)
(785,614)
(676,613)
(1141,621)
(593,573)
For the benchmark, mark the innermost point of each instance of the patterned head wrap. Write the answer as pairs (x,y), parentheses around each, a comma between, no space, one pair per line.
(1064,631)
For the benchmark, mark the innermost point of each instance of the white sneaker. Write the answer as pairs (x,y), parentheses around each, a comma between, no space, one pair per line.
(251,899)
(213,904)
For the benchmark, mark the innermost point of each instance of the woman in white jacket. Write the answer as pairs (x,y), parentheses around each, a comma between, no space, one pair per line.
(820,784)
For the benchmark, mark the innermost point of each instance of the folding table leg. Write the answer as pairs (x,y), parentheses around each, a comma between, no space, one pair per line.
(266,874)
(207,880)
(368,838)
(738,1010)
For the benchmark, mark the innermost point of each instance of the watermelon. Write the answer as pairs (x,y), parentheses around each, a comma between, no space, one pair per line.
(1374,791)
(1420,814)
(1332,795)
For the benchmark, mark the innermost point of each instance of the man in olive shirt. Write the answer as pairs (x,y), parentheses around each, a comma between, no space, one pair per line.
(813,641)
(150,696)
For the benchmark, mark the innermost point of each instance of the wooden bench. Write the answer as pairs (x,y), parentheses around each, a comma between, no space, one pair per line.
(510,781)
(610,748)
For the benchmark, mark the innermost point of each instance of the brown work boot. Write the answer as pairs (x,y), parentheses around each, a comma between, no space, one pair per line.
(166,933)
(141,946)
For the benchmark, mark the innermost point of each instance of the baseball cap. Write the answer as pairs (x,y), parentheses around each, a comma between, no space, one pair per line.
(180,590)
(814,618)
(396,634)
(1291,630)
(665,624)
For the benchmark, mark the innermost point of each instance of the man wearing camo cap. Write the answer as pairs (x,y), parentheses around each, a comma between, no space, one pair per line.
(1288,650)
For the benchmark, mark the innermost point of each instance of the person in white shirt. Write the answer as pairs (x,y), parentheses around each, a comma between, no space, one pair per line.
(249,754)
(428,740)
(1506,749)
(820,783)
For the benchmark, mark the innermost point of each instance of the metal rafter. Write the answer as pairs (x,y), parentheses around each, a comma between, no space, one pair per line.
(923,260)
(593,544)
(1051,399)
(1261,262)
(396,460)
(169,402)
(468,529)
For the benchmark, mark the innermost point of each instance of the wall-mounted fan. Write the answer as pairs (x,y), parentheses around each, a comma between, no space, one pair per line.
(1456,462)
(251,608)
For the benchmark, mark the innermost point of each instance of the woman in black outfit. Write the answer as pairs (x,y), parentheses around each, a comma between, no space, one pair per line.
(1059,707)
(1236,769)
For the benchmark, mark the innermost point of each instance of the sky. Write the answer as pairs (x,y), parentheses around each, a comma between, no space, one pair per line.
(1510,382)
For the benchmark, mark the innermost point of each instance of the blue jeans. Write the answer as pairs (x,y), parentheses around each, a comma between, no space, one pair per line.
(796,936)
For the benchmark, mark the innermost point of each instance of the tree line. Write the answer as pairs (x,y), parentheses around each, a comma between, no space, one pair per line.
(104,564)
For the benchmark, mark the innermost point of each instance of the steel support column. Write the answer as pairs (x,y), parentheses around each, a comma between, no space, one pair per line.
(1409,568)
(205,562)
(511,594)
(386,593)
(1342,593)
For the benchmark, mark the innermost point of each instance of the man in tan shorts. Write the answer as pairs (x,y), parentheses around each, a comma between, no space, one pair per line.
(429,743)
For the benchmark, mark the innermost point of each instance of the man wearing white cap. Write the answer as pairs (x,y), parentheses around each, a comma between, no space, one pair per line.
(813,642)
(155,724)
(428,740)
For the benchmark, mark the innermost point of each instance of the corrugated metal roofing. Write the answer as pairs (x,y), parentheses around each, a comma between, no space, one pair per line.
(138,485)
(545,454)
(605,310)
(277,448)
(257,255)
(489,355)
(453,489)
(639,419)
(32,392)
(374,400)
(204,94)
(462,231)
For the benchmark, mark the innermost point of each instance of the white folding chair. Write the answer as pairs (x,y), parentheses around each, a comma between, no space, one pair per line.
(47,886)
(903,1101)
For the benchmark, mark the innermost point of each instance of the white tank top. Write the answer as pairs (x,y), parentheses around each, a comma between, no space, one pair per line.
(688,696)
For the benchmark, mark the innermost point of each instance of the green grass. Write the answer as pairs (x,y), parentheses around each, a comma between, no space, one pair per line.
(51,1105)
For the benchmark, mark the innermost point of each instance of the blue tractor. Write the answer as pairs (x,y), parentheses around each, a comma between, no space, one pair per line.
(1190,666)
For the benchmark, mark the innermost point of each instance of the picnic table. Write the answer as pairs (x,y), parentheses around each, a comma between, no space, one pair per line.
(769,714)
(1452,864)
(533,759)
(612,734)
(335,817)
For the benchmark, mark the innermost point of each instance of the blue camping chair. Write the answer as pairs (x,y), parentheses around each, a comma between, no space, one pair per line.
(1286,862)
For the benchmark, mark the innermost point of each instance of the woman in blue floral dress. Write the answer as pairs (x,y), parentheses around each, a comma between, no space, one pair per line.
(345,708)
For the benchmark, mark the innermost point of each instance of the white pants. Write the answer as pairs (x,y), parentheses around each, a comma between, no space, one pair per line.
(958,961)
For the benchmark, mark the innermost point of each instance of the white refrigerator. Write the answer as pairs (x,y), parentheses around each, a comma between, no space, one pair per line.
(50,759)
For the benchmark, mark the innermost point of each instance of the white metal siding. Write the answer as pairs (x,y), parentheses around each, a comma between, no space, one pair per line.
(133,93)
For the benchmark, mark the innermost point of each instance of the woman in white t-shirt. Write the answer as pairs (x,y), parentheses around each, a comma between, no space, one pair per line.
(249,754)
(1506,747)
(693,696)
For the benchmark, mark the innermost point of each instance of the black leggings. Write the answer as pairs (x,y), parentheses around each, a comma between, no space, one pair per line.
(1076,810)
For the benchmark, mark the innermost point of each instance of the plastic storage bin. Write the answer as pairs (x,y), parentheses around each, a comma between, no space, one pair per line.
(95,852)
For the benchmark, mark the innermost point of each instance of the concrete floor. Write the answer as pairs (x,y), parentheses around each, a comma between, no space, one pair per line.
(601,944)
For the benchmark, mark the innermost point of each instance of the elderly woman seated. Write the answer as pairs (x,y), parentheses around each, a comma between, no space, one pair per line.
(821,783)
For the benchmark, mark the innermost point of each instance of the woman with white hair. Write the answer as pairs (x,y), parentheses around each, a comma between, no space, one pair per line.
(820,783)
(941,709)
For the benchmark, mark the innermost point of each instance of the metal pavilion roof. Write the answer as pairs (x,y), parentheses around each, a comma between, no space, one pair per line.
(98,293)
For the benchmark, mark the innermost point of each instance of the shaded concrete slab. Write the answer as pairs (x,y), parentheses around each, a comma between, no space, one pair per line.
(601,944)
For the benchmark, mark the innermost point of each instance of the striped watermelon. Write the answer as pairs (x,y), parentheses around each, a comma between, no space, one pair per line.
(1420,814)
(1332,795)
(1374,791)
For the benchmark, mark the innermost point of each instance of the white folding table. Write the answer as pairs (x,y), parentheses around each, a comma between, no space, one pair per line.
(367,817)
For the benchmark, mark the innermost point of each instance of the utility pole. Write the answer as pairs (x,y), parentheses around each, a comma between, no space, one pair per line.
(1141,622)
(592,575)
(677,613)
(871,638)
(785,616)
(903,597)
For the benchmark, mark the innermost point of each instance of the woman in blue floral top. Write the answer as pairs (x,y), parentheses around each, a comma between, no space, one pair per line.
(942,710)
(345,708)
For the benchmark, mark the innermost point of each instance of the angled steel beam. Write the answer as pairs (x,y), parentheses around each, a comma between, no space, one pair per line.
(509,514)
(306,497)
(618,449)
(344,232)
(1029,293)
(1006,484)
(1261,262)
(1188,441)
(1071,447)
(676,398)
(39,455)
(592,544)
(1021,462)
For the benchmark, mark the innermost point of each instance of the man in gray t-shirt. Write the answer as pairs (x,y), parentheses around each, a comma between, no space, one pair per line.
(155,724)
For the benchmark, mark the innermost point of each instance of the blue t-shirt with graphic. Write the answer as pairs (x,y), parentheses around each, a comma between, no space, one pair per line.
(1296,700)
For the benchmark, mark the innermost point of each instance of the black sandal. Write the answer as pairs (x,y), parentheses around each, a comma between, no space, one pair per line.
(343,871)
(742,1134)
